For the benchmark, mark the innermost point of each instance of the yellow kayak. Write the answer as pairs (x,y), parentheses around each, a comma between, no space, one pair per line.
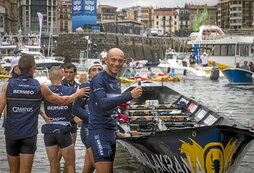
(160,79)
(126,80)
(5,76)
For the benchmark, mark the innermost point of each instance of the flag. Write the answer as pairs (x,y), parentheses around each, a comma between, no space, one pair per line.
(40,16)
(196,21)
(204,14)
(199,19)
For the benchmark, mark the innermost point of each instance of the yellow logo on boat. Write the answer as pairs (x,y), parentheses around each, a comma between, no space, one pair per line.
(213,158)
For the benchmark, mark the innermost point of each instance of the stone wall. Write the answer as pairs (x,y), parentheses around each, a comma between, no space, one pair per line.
(149,48)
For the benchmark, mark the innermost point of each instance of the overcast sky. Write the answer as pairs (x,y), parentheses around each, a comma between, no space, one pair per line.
(155,3)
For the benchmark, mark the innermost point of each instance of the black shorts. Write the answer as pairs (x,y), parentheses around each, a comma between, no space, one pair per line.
(14,147)
(61,139)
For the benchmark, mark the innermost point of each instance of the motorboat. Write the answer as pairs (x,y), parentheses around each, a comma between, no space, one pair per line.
(42,75)
(225,50)
(169,132)
(181,65)
(238,75)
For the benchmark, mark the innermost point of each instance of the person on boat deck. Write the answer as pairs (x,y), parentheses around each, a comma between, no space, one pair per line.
(127,73)
(192,59)
(172,73)
(105,97)
(251,66)
(134,72)
(15,71)
(3,71)
(245,66)
(23,96)
(81,110)
(57,133)
(237,65)
(150,73)
(204,59)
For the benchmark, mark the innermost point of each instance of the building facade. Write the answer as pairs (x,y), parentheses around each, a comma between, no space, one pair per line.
(167,19)
(141,14)
(2,21)
(11,16)
(106,13)
(236,14)
(28,17)
(63,19)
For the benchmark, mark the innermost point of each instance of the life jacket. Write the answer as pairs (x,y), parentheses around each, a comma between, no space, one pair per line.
(59,112)
(23,106)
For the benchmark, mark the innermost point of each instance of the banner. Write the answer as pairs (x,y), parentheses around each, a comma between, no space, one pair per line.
(40,16)
(83,12)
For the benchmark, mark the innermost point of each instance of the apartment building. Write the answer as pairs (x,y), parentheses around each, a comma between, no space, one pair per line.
(212,14)
(168,19)
(28,17)
(184,16)
(11,16)
(236,14)
(106,13)
(64,18)
(2,20)
(142,14)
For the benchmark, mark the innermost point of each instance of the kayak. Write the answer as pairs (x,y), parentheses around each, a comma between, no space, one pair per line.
(164,78)
(126,80)
(5,76)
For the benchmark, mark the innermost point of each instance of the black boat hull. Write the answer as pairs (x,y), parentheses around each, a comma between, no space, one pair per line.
(213,149)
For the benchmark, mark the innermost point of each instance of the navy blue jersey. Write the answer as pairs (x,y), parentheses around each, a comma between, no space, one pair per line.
(105,96)
(23,106)
(59,112)
(80,108)
(74,85)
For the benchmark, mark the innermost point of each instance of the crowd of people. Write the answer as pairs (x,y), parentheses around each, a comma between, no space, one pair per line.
(67,104)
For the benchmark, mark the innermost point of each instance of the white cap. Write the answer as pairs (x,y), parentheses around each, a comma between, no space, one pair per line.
(95,63)
(14,62)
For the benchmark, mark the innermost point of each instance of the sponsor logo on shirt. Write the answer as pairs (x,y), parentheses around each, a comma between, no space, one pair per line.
(22,109)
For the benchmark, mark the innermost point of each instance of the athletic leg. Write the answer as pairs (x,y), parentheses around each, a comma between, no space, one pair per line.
(13,163)
(52,152)
(26,162)
(69,158)
(89,163)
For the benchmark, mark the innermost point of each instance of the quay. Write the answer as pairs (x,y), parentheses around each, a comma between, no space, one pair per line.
(134,46)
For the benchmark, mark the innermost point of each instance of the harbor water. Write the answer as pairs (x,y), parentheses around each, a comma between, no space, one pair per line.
(234,101)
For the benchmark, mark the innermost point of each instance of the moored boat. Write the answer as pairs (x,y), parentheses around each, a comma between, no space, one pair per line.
(238,75)
(169,132)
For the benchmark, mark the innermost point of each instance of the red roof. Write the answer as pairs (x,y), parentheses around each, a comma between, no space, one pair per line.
(194,7)
(106,6)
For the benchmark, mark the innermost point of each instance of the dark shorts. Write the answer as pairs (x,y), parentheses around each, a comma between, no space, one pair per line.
(103,144)
(84,132)
(14,147)
(74,127)
(61,139)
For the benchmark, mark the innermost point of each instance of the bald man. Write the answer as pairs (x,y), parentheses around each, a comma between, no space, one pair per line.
(105,97)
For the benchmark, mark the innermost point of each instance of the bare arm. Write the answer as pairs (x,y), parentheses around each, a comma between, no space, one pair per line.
(3,98)
(62,100)
(45,117)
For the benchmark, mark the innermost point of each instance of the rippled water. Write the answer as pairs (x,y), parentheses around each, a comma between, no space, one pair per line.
(235,101)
